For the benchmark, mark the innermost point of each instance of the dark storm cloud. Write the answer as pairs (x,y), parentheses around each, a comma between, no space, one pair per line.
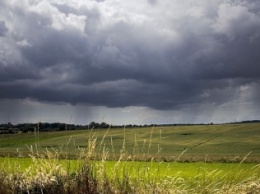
(3,28)
(164,56)
(152,1)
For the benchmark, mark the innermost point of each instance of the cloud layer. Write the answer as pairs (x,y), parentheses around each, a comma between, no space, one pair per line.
(165,55)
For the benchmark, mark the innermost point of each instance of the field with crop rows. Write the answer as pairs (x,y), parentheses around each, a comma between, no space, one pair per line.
(173,159)
(227,142)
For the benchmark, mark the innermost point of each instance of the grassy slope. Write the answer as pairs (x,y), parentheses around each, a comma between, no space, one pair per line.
(133,176)
(197,141)
(157,170)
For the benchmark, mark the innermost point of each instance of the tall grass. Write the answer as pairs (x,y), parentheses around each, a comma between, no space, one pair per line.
(92,173)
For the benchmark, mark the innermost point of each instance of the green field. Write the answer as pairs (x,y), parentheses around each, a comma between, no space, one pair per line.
(226,142)
(128,176)
(158,169)
(174,159)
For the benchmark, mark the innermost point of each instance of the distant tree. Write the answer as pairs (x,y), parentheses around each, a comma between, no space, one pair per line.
(62,126)
(9,124)
(104,125)
(55,125)
(93,125)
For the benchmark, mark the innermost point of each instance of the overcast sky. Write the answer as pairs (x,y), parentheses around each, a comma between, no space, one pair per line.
(121,62)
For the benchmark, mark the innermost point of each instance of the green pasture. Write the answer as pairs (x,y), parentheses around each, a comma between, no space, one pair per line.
(173,159)
(187,143)
(151,170)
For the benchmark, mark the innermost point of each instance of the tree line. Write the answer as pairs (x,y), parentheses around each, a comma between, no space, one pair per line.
(10,128)
(31,127)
